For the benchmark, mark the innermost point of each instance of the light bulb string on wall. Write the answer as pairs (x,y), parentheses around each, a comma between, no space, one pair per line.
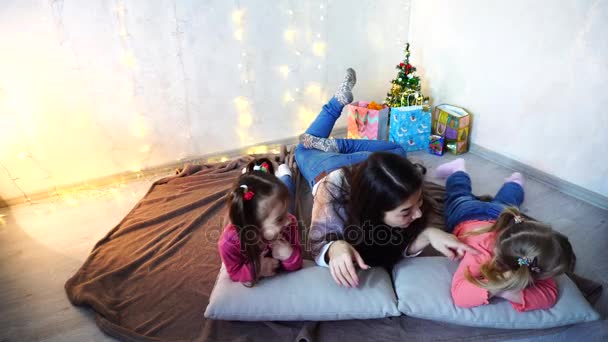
(130,62)
(182,67)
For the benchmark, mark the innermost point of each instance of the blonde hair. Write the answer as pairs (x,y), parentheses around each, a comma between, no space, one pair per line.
(518,240)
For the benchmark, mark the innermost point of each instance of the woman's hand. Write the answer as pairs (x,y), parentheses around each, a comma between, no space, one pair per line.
(341,255)
(447,244)
(281,249)
(268,266)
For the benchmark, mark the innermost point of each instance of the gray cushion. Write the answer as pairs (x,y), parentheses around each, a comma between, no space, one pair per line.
(307,294)
(423,287)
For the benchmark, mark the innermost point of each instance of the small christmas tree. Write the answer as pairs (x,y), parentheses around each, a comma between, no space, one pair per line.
(406,87)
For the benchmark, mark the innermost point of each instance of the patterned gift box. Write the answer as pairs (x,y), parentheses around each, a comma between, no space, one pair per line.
(410,127)
(453,123)
(436,144)
(365,123)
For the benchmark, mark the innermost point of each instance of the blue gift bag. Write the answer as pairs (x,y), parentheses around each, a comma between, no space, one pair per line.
(410,127)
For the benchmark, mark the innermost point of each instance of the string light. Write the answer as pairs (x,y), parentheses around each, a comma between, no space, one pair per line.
(318,48)
(284,70)
(237,16)
(287,97)
(289,35)
(238,34)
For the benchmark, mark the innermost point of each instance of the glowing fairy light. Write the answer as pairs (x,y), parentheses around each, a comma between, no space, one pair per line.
(258,150)
(238,34)
(135,168)
(318,48)
(287,97)
(313,89)
(305,115)
(120,9)
(144,149)
(23,155)
(223,159)
(289,35)
(321,18)
(298,53)
(237,16)
(240,66)
(284,70)
(123,32)
(128,60)
(290,12)
(241,103)
(245,119)
(140,128)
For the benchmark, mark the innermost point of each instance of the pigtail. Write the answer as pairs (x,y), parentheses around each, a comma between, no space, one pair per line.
(242,215)
(261,165)
(494,280)
(528,249)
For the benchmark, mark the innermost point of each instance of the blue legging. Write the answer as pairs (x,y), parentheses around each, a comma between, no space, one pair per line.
(313,162)
(461,205)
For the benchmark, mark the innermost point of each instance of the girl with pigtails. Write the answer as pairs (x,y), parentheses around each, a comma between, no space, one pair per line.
(262,235)
(517,258)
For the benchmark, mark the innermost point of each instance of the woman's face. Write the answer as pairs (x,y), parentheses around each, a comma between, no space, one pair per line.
(406,213)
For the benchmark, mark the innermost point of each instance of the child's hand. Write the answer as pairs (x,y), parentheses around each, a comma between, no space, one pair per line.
(512,296)
(281,249)
(268,266)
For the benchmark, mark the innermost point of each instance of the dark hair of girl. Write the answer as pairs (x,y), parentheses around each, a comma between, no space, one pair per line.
(373,187)
(244,211)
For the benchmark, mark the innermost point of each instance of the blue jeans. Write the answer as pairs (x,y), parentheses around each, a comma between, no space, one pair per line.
(292,192)
(313,162)
(461,205)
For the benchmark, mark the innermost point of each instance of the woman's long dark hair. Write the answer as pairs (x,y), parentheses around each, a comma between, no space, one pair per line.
(379,184)
(244,214)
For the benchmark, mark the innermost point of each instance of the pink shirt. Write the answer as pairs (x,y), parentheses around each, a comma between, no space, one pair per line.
(240,268)
(541,295)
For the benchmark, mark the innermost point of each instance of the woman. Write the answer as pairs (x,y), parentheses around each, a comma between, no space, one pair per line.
(369,202)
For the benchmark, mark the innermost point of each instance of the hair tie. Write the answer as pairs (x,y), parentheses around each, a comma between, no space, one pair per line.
(263,167)
(518,219)
(532,264)
(247,195)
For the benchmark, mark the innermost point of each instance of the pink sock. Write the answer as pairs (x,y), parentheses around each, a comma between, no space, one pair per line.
(445,170)
(515,177)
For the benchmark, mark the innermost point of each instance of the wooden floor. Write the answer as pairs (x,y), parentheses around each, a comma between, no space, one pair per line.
(42,245)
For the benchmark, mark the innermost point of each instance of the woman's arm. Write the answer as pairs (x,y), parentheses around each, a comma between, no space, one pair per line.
(446,243)
(324,222)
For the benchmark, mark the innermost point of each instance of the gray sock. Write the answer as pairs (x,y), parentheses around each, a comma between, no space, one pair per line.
(323,144)
(344,94)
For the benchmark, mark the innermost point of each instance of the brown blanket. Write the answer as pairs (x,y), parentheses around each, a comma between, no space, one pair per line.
(150,278)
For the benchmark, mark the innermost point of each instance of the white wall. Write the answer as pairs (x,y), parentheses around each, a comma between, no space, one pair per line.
(533,73)
(94,88)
